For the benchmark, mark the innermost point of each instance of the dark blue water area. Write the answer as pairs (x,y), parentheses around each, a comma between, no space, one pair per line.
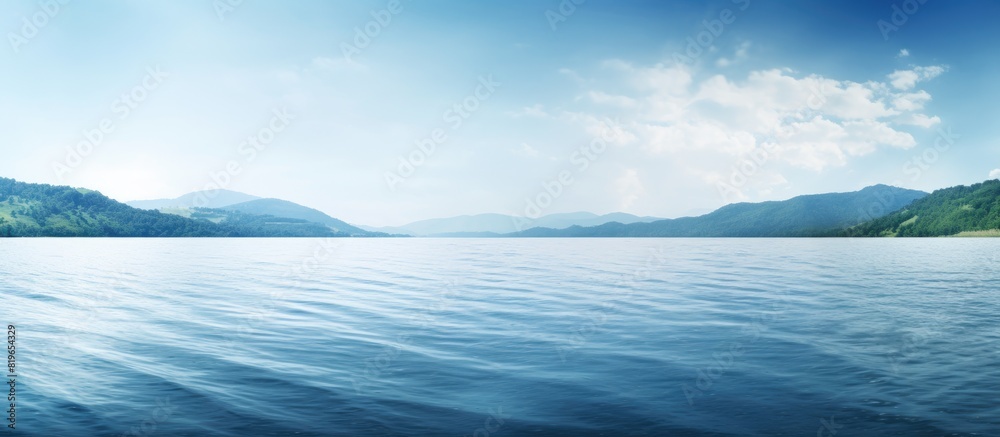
(498,337)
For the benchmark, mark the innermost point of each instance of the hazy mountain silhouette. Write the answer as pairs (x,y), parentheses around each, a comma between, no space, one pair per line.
(493,224)
(810,215)
(197,199)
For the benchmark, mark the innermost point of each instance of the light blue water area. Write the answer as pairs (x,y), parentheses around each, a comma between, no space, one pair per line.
(504,337)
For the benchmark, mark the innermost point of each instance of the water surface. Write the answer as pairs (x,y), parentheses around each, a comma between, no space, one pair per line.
(499,337)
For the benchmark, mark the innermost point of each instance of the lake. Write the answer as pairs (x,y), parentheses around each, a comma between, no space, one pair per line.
(504,337)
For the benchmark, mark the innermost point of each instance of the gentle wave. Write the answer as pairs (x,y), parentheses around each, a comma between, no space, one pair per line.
(499,337)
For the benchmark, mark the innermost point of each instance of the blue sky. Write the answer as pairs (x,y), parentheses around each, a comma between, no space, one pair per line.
(562,106)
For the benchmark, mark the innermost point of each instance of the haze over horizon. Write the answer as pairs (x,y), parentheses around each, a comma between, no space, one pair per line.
(492,104)
(205,197)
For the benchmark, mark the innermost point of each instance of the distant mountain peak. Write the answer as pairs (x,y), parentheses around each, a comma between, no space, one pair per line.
(218,198)
(882,187)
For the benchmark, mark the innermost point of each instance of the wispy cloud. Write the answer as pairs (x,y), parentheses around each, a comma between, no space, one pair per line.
(907,79)
(526,150)
(537,111)
(740,54)
(812,122)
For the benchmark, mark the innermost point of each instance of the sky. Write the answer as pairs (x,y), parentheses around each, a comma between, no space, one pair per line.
(387,112)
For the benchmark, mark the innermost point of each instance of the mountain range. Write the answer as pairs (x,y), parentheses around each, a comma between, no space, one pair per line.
(38,210)
(802,216)
(492,225)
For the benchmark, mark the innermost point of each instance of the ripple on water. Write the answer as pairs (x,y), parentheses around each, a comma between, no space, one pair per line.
(532,337)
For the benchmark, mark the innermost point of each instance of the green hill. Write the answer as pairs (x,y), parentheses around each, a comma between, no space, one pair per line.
(284,208)
(812,215)
(38,210)
(262,225)
(962,210)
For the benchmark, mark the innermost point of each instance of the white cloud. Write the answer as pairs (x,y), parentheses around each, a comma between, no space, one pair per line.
(818,143)
(611,131)
(608,99)
(690,132)
(660,79)
(527,150)
(810,122)
(911,101)
(630,188)
(674,80)
(699,135)
(907,79)
(864,136)
(813,144)
(856,101)
(919,120)
(537,111)
(904,79)
(573,75)
(741,51)
(903,53)
(739,55)
(995,174)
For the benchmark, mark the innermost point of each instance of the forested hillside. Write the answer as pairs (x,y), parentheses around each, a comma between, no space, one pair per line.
(38,210)
(284,208)
(950,211)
